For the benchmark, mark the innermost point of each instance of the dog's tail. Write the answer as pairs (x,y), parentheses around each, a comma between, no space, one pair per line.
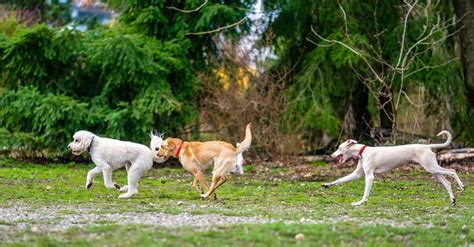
(443,145)
(245,144)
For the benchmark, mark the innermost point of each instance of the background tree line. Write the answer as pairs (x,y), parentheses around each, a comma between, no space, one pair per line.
(371,70)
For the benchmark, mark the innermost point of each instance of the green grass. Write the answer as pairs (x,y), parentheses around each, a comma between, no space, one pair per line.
(408,208)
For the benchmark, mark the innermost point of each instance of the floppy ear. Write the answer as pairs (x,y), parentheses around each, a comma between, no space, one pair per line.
(172,144)
(86,141)
(351,141)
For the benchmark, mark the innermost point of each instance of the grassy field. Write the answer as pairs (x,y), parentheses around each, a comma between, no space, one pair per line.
(405,208)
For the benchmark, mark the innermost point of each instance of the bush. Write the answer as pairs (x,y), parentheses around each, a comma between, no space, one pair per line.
(35,121)
(112,82)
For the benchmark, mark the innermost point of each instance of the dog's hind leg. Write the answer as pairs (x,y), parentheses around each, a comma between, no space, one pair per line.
(91,175)
(429,162)
(221,182)
(125,187)
(357,173)
(133,176)
(452,173)
(446,185)
(215,181)
(136,171)
(369,179)
(127,166)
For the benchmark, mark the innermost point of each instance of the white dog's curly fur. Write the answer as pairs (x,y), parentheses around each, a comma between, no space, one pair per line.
(110,154)
(155,145)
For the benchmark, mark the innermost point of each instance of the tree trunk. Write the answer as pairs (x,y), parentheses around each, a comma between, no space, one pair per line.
(465,8)
(361,112)
(386,110)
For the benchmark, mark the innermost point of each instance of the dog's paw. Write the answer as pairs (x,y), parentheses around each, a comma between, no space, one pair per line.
(124,188)
(203,196)
(358,203)
(326,185)
(117,186)
(125,196)
(110,186)
(88,186)
(463,187)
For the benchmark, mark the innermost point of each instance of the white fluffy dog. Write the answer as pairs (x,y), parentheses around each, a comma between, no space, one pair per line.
(110,154)
(240,162)
(155,145)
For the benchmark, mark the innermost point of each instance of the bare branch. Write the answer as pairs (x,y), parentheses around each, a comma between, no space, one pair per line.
(335,41)
(407,60)
(314,43)
(411,102)
(432,31)
(404,31)
(346,30)
(351,49)
(221,28)
(431,67)
(188,11)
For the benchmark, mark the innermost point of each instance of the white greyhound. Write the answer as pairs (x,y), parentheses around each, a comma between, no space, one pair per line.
(382,159)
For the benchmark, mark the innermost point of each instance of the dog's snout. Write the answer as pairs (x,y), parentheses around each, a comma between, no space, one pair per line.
(158,155)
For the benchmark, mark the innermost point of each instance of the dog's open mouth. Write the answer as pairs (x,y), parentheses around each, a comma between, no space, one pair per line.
(340,159)
(76,152)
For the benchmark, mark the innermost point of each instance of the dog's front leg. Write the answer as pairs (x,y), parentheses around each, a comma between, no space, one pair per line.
(369,179)
(196,185)
(109,184)
(91,175)
(357,173)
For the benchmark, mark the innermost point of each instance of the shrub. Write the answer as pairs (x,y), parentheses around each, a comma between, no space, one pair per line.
(112,82)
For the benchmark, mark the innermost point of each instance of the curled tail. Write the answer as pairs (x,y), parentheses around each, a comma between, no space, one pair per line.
(443,145)
(245,144)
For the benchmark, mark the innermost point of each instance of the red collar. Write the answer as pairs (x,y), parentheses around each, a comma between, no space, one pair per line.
(179,149)
(359,156)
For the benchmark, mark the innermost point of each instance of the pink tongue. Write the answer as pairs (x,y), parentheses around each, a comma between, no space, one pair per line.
(341,160)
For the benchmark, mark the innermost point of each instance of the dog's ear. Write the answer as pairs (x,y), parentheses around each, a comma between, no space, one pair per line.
(151,134)
(172,144)
(351,141)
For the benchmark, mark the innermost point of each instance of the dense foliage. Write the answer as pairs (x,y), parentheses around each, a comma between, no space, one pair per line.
(120,81)
(332,86)
(337,71)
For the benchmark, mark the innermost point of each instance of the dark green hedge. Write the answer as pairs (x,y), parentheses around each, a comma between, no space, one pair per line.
(113,82)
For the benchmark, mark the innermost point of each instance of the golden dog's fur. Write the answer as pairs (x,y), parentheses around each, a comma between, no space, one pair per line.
(197,157)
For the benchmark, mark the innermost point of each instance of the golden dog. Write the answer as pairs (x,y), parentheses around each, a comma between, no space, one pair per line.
(197,157)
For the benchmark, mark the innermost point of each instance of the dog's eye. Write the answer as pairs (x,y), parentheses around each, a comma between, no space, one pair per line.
(77,140)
